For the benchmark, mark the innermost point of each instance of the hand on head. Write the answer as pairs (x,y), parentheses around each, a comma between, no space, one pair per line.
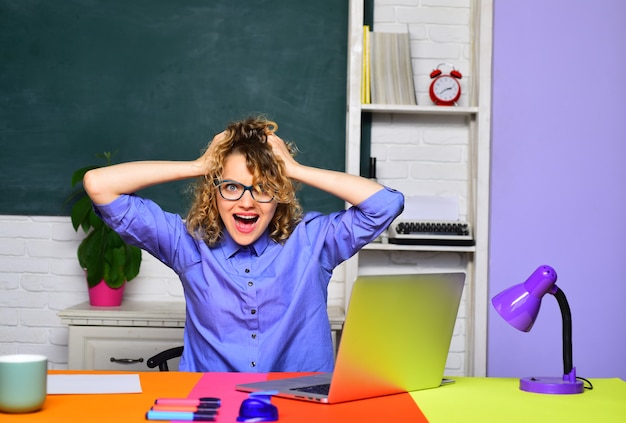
(281,151)
(204,161)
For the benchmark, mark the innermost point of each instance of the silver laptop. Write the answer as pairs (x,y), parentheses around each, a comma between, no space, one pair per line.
(395,339)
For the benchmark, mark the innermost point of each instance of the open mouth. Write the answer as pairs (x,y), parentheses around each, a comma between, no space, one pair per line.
(245,223)
(246,219)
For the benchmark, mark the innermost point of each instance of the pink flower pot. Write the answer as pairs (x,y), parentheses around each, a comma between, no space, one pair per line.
(104,296)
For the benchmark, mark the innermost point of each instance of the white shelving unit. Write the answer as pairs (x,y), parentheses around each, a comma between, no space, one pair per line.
(477,117)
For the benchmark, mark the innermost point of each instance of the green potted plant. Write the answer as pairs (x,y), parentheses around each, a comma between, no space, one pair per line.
(107,260)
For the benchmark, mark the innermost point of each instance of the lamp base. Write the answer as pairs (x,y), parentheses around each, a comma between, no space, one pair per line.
(551,385)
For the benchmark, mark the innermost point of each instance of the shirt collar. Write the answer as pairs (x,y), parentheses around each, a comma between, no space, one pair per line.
(230,247)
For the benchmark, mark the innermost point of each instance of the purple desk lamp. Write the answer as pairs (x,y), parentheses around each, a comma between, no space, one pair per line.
(519,306)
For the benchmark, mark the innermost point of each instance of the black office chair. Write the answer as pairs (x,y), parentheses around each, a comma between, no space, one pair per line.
(162,358)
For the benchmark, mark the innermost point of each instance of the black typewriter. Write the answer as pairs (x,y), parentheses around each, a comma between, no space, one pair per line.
(423,232)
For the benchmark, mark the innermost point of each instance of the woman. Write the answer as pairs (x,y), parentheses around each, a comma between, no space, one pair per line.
(254,269)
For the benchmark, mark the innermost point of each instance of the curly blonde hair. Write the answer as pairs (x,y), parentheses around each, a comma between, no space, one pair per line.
(248,138)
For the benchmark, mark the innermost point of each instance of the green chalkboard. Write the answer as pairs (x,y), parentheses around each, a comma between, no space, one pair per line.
(156,79)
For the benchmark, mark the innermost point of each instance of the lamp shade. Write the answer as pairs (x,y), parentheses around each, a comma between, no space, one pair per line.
(520,304)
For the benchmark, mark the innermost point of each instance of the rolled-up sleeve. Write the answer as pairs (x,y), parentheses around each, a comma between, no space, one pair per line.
(361,224)
(143,223)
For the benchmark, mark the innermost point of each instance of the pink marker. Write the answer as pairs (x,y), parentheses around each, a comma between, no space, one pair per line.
(204,402)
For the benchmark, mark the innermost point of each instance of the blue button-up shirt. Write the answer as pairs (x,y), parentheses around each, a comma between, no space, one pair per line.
(259,308)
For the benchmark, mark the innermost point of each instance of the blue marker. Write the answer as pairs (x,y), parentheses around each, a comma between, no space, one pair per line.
(180,415)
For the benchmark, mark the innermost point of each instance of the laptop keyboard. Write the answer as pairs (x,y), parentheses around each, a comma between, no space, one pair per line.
(321,389)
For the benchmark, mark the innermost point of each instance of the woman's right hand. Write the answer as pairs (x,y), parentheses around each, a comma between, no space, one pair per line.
(204,161)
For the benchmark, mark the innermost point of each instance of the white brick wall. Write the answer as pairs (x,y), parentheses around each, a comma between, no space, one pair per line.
(418,157)
(40,275)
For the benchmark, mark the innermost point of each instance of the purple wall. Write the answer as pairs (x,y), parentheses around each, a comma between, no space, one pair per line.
(558,180)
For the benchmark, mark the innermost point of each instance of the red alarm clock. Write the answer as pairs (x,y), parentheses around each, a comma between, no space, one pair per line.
(445,89)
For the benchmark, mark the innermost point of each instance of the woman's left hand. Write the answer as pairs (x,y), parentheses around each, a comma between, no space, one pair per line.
(281,151)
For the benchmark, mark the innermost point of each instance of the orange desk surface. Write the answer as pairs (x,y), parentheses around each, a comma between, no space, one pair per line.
(467,400)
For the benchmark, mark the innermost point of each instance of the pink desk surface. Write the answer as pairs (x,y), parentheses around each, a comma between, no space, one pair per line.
(392,408)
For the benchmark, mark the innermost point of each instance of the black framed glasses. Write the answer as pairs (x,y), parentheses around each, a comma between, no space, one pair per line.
(233,191)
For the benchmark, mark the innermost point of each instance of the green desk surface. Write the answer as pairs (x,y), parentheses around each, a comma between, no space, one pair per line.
(483,400)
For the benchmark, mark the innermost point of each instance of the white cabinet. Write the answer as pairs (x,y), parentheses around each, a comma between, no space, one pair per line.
(473,117)
(122,338)
(120,348)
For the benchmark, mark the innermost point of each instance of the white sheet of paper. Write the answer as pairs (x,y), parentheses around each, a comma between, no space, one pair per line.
(94,384)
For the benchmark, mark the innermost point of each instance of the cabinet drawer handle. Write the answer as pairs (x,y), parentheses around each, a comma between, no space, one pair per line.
(126,360)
